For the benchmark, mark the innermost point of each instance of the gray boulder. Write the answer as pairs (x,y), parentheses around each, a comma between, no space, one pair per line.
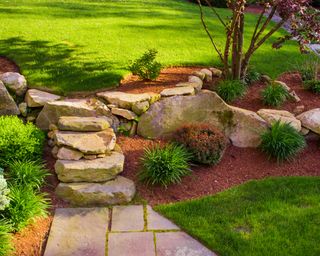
(15,82)
(7,104)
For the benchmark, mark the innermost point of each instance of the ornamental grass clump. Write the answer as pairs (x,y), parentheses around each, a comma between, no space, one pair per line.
(274,95)
(205,142)
(164,165)
(282,142)
(5,238)
(230,90)
(312,85)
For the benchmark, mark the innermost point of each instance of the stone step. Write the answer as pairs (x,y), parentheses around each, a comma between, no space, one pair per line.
(83,124)
(87,142)
(117,191)
(97,170)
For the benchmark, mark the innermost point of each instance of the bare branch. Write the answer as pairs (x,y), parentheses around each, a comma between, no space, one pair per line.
(215,12)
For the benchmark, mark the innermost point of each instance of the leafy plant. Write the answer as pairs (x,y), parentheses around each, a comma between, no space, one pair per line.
(309,68)
(274,95)
(282,141)
(25,205)
(164,165)
(27,173)
(312,85)
(229,90)
(4,200)
(252,76)
(19,141)
(146,67)
(5,238)
(206,143)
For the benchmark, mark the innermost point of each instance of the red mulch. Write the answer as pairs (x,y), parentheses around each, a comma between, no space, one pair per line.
(7,65)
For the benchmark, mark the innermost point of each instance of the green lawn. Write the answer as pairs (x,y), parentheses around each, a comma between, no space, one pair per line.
(70,45)
(276,217)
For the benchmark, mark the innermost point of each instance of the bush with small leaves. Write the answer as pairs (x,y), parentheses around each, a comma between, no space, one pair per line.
(274,95)
(206,143)
(4,200)
(282,141)
(146,67)
(312,85)
(164,165)
(5,238)
(230,90)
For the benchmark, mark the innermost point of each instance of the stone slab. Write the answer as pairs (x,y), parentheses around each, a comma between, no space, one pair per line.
(83,124)
(127,218)
(78,231)
(131,244)
(179,243)
(36,98)
(157,222)
(177,91)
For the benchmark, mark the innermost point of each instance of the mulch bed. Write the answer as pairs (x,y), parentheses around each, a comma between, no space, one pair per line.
(7,65)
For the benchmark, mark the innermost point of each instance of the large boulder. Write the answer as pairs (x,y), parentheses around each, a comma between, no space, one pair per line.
(36,98)
(83,124)
(243,127)
(52,111)
(311,120)
(97,170)
(118,191)
(7,104)
(87,142)
(14,82)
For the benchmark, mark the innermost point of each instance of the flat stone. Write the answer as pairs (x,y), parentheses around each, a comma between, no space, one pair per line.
(118,191)
(157,222)
(140,107)
(87,142)
(122,99)
(199,74)
(36,98)
(196,86)
(69,154)
(7,104)
(179,243)
(96,170)
(15,82)
(216,72)
(178,91)
(85,124)
(131,244)
(125,113)
(311,120)
(78,231)
(154,97)
(127,218)
(208,74)
(195,79)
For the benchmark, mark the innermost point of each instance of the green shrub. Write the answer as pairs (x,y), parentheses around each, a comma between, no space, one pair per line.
(312,85)
(25,205)
(5,238)
(27,173)
(309,68)
(229,90)
(4,200)
(206,143)
(19,141)
(146,67)
(166,165)
(252,76)
(274,95)
(282,141)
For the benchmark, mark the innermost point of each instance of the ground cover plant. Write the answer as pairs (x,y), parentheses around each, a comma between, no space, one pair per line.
(230,90)
(5,238)
(89,43)
(274,95)
(276,216)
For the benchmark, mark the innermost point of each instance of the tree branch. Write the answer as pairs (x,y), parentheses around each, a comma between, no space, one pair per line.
(215,12)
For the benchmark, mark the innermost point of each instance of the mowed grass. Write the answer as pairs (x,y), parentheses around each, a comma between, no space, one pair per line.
(276,216)
(83,45)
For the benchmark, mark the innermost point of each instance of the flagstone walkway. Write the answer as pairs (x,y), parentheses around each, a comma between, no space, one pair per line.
(134,230)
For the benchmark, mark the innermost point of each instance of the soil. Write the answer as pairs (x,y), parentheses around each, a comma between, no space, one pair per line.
(7,65)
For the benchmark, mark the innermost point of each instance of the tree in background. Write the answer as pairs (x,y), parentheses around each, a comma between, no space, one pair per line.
(304,21)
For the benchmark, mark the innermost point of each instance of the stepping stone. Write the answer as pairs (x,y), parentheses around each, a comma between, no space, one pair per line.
(69,154)
(179,243)
(131,244)
(118,191)
(208,74)
(216,72)
(78,231)
(97,170)
(195,79)
(157,222)
(178,91)
(36,98)
(83,124)
(127,114)
(127,218)
(87,142)
(196,86)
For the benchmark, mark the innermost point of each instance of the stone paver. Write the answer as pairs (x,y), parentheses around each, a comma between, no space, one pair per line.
(78,231)
(179,243)
(127,218)
(132,243)
(157,222)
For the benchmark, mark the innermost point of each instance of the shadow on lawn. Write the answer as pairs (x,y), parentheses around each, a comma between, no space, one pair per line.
(59,67)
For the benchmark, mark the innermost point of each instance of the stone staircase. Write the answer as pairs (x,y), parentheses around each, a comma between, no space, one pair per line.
(89,162)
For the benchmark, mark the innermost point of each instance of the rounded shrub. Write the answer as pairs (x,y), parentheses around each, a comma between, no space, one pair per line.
(19,141)
(205,142)
(282,141)
(164,165)
(274,95)
(6,247)
(230,90)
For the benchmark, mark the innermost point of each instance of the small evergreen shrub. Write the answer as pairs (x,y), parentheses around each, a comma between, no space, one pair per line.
(164,165)
(4,200)
(19,141)
(146,67)
(25,205)
(206,143)
(5,238)
(230,90)
(282,141)
(27,173)
(312,85)
(274,95)
(252,76)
